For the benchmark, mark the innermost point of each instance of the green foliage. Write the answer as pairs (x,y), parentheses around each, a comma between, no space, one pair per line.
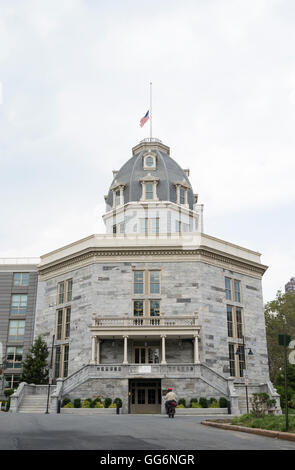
(65,402)
(119,401)
(113,405)
(107,402)
(86,404)
(94,402)
(35,367)
(213,404)
(261,404)
(275,423)
(193,400)
(182,401)
(77,403)
(8,392)
(203,402)
(180,406)
(222,402)
(279,318)
(98,404)
(195,404)
(211,400)
(69,405)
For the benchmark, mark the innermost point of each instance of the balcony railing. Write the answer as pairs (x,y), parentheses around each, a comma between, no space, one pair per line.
(145,321)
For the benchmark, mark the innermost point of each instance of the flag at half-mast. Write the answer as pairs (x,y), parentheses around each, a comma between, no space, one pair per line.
(145,118)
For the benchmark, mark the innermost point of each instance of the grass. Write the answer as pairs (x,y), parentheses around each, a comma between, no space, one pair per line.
(274,423)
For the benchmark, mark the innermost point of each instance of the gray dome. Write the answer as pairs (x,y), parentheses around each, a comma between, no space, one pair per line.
(167,171)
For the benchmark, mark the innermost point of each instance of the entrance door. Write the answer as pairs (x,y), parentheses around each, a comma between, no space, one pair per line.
(145,396)
(146,355)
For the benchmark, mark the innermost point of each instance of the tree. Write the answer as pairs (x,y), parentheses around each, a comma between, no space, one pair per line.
(279,319)
(35,366)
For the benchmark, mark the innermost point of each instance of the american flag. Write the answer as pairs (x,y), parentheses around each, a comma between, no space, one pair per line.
(145,118)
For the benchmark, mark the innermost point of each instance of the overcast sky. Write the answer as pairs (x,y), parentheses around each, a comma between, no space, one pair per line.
(75,82)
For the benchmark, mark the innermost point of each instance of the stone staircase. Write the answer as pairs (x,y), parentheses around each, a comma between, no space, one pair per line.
(33,404)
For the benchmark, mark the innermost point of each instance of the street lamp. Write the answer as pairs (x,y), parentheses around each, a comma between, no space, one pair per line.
(250,353)
(50,374)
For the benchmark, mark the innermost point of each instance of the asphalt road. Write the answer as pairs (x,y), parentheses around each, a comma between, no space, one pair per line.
(123,432)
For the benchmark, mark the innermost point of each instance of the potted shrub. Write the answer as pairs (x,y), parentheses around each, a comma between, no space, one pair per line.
(195,404)
(65,402)
(86,404)
(222,402)
(107,402)
(203,402)
(69,405)
(77,403)
(182,401)
(98,404)
(193,400)
(118,401)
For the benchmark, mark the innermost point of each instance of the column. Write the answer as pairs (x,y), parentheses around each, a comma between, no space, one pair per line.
(93,347)
(125,360)
(196,350)
(163,361)
(97,350)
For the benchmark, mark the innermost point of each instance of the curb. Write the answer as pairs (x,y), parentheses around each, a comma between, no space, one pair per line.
(287,436)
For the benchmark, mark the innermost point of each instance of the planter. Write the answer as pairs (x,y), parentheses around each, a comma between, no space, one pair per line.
(201,411)
(88,411)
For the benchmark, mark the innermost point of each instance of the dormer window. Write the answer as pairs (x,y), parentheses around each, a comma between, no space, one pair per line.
(118,194)
(149,188)
(149,162)
(182,193)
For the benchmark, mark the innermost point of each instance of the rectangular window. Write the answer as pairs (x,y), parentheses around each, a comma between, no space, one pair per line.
(155,225)
(21,279)
(227,288)
(229,321)
(66,360)
(63,323)
(16,330)
(59,324)
(237,291)
(144,226)
(114,228)
(57,362)
(239,322)
(182,196)
(241,357)
(232,360)
(138,282)
(154,282)
(12,381)
(122,227)
(149,191)
(69,290)
(14,357)
(60,292)
(117,198)
(154,308)
(19,304)
(141,396)
(138,308)
(177,226)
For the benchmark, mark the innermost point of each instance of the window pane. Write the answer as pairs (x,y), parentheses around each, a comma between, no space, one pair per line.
(237,291)
(144,226)
(19,304)
(182,196)
(149,161)
(229,321)
(155,225)
(154,308)
(177,226)
(149,194)
(151,396)
(17,279)
(141,397)
(227,289)
(138,308)
(69,289)
(68,322)
(155,282)
(232,360)
(117,198)
(239,322)
(61,288)
(138,282)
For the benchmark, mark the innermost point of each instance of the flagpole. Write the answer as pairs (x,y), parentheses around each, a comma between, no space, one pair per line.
(151,110)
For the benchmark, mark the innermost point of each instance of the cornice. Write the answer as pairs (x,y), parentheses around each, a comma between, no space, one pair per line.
(202,253)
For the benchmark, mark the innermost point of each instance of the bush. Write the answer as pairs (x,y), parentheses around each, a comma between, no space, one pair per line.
(8,394)
(107,402)
(98,404)
(181,401)
(193,400)
(118,401)
(69,405)
(195,404)
(94,402)
(180,406)
(77,403)
(292,402)
(261,404)
(211,400)
(86,404)
(214,404)
(113,405)
(65,402)
(203,402)
(222,402)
